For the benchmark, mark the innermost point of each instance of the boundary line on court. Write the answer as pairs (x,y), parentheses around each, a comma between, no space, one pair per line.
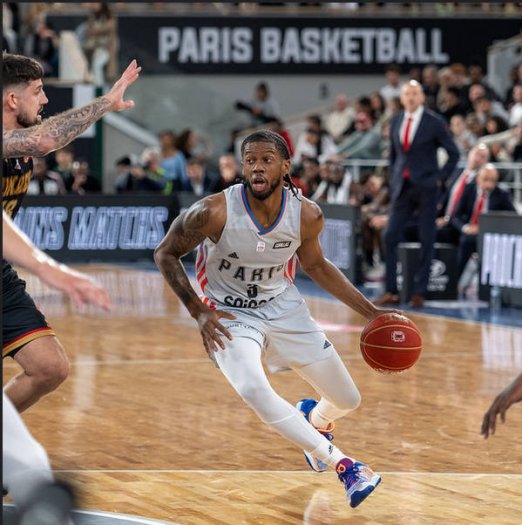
(179,471)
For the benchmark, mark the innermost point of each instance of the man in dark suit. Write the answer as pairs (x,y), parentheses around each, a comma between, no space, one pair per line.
(479,197)
(415,180)
(477,157)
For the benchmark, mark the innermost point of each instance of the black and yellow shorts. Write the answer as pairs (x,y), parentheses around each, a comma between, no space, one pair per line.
(22,321)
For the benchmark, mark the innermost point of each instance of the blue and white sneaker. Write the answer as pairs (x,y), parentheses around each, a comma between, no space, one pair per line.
(305,406)
(358,479)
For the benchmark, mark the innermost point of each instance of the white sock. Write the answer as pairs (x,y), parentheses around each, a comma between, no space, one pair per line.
(325,413)
(329,454)
(296,429)
(318,420)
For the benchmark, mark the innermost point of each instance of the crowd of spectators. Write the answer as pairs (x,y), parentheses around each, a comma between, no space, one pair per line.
(353,129)
(27,30)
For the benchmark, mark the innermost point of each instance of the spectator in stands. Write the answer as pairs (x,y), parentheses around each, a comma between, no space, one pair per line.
(101,43)
(43,44)
(45,181)
(451,104)
(484,108)
(314,142)
(9,35)
(476,76)
(392,88)
(310,177)
(415,73)
(335,186)
(364,142)
(477,157)
(515,111)
(123,182)
(445,82)
(482,196)
(193,145)
(173,161)
(201,180)
(495,125)
(262,108)
(278,126)
(416,135)
(378,106)
(339,120)
(477,92)
(462,136)
(430,85)
(516,79)
(144,176)
(393,106)
(153,173)
(474,124)
(64,158)
(229,171)
(81,181)
(374,218)
(362,105)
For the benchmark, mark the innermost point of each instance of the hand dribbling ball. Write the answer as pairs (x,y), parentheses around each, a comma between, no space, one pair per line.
(391,343)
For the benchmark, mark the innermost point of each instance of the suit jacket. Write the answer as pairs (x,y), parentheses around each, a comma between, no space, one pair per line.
(499,200)
(445,197)
(421,157)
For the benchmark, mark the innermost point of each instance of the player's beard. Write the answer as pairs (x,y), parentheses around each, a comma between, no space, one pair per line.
(24,121)
(265,194)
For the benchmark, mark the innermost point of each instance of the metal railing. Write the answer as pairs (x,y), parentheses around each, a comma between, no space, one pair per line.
(514,168)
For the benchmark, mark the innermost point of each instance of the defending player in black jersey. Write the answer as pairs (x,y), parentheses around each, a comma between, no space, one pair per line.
(26,335)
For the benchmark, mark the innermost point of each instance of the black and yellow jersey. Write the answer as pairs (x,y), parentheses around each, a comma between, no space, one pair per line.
(16,175)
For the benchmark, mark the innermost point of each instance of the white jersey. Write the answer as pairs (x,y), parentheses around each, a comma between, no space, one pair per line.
(250,265)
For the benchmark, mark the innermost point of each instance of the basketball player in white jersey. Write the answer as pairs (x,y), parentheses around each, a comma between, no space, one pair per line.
(25,466)
(250,238)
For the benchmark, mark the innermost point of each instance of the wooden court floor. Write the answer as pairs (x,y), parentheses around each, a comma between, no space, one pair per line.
(146,425)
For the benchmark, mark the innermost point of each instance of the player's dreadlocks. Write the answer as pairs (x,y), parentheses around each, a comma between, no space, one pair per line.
(267,135)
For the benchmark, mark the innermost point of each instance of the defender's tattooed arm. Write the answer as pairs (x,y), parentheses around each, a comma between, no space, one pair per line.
(58,131)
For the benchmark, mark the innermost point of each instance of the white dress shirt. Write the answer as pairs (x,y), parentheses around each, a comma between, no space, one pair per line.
(416,116)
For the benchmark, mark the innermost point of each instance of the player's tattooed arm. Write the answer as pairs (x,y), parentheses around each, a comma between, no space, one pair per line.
(186,232)
(53,133)
(57,131)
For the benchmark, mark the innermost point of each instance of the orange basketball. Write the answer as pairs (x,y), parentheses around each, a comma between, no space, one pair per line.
(391,343)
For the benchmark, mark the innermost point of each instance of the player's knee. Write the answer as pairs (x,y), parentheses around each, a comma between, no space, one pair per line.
(349,402)
(51,373)
(253,395)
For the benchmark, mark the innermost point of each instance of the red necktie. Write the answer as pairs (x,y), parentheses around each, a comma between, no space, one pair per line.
(479,205)
(455,198)
(406,145)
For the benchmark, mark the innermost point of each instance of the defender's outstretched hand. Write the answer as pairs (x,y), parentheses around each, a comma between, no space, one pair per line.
(117,92)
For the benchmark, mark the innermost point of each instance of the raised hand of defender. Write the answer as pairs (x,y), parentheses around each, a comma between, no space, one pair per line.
(117,92)
(511,394)
(78,286)
(210,328)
